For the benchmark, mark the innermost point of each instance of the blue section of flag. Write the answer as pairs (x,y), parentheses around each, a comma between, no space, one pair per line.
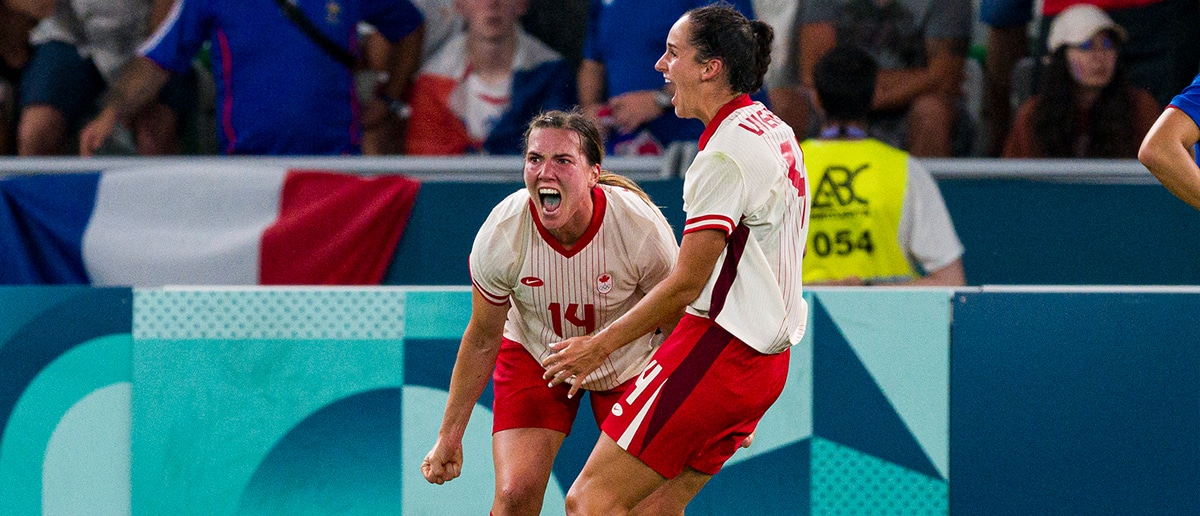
(42,220)
(849,408)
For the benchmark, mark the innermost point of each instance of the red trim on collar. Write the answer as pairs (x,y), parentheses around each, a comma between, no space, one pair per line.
(739,101)
(599,205)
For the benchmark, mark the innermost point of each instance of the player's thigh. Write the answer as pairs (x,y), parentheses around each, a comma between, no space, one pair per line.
(612,481)
(673,496)
(524,458)
(522,399)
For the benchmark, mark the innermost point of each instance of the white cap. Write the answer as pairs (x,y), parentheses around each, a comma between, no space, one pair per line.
(1078,23)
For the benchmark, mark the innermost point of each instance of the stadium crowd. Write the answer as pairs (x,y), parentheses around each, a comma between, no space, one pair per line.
(446,77)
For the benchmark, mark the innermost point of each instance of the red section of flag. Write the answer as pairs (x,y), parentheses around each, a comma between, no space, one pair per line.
(335,228)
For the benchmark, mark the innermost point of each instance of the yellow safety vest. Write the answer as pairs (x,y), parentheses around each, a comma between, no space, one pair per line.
(857,189)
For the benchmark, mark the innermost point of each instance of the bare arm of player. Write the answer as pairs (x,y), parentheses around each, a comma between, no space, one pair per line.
(574,358)
(1167,152)
(476,359)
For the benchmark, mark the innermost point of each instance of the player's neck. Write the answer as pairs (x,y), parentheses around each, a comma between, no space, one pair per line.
(714,101)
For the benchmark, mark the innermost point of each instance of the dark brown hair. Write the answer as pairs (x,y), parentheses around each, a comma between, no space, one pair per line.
(719,31)
(1109,130)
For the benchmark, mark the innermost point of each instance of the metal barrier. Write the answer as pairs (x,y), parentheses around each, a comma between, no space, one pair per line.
(508,168)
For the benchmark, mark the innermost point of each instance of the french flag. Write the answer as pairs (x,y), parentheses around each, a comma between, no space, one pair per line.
(228,224)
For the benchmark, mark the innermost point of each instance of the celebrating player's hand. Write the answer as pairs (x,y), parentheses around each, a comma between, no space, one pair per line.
(443,463)
(572,360)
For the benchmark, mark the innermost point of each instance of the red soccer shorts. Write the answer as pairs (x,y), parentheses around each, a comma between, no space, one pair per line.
(523,400)
(695,402)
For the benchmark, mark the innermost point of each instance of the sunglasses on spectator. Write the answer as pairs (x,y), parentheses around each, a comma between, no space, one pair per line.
(1105,43)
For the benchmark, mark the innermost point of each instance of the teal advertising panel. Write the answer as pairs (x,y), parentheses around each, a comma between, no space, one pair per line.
(861,427)
(247,401)
(880,403)
(1080,402)
(64,398)
(254,401)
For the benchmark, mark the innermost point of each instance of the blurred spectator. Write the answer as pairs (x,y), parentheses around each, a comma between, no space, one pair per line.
(790,100)
(1170,149)
(14,53)
(560,24)
(479,91)
(1086,107)
(78,48)
(1162,52)
(877,214)
(278,90)
(920,47)
(441,22)
(617,81)
(1007,43)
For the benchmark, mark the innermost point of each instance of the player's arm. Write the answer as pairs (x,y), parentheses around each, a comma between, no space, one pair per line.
(1167,152)
(136,87)
(476,359)
(576,357)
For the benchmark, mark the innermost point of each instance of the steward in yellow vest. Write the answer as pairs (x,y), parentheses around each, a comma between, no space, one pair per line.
(877,215)
(856,206)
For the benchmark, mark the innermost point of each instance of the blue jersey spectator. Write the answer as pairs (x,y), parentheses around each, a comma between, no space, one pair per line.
(278,91)
(617,80)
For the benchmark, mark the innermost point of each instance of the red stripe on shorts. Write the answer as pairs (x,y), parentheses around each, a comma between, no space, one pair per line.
(683,379)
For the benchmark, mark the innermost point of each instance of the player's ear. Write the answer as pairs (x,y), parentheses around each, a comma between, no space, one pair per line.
(594,178)
(712,68)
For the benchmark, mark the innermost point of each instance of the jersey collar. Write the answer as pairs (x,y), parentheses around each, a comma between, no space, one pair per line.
(738,102)
(599,205)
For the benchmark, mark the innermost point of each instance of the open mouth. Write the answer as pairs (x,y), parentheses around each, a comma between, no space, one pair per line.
(550,199)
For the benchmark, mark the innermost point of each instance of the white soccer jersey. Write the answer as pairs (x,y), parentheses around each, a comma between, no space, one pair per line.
(558,293)
(748,181)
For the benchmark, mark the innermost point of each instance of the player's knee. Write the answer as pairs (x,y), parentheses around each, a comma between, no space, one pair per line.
(574,501)
(581,501)
(519,497)
(659,506)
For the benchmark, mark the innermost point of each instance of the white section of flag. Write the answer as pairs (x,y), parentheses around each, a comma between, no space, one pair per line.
(171,226)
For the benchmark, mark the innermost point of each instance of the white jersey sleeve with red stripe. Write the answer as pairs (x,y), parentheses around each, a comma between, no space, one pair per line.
(748,182)
(557,293)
